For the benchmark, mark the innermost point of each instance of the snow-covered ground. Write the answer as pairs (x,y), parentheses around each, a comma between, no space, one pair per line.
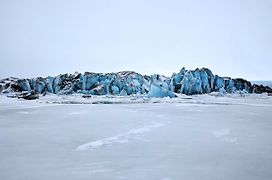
(190,137)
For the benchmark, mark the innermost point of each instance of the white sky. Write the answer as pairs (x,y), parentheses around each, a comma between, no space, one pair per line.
(48,37)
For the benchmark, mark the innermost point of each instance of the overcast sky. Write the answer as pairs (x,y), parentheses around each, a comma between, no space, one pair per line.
(49,37)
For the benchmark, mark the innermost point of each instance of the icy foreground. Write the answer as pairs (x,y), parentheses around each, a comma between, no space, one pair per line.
(197,137)
(188,82)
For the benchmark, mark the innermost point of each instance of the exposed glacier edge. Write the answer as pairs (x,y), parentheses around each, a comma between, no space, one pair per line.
(188,82)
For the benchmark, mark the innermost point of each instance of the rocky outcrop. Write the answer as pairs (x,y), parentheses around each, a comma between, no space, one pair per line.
(242,84)
(29,95)
(189,82)
(258,89)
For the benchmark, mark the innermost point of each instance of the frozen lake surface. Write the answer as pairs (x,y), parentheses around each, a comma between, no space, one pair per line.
(200,137)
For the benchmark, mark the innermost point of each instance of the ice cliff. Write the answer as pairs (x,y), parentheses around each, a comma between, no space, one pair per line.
(189,82)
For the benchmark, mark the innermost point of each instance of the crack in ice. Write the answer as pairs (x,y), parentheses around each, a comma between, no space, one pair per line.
(121,138)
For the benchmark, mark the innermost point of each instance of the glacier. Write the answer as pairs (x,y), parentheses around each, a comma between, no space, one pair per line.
(157,91)
(188,82)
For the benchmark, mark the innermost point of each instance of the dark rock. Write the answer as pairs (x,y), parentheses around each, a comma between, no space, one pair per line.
(100,90)
(29,95)
(146,77)
(86,96)
(15,87)
(68,89)
(6,85)
(242,84)
(258,89)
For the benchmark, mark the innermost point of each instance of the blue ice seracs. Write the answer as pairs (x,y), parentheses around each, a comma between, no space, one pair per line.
(188,82)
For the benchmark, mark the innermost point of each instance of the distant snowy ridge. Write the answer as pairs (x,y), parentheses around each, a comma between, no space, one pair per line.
(264,83)
(189,82)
